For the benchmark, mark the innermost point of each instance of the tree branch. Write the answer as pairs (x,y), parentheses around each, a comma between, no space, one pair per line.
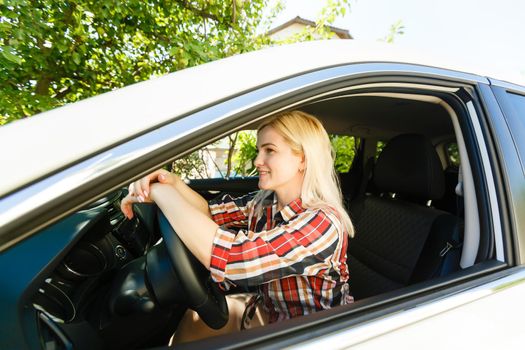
(214,163)
(62,93)
(42,85)
(185,4)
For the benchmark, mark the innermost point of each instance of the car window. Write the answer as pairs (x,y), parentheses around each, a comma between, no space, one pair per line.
(233,156)
(230,156)
(379,148)
(452,154)
(345,148)
(517,119)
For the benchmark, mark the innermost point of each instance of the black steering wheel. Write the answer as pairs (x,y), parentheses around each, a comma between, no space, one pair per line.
(202,294)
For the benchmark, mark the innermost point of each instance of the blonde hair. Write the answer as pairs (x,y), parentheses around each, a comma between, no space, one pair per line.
(306,136)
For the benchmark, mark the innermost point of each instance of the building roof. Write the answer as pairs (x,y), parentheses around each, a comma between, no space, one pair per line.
(341,33)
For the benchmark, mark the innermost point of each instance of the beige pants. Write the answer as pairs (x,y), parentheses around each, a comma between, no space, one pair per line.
(191,327)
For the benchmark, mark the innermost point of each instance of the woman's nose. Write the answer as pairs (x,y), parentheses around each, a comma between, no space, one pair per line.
(257,161)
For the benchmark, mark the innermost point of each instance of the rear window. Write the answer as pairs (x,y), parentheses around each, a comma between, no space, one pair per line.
(345,148)
(452,154)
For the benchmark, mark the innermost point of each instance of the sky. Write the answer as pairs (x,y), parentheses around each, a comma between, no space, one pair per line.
(490,31)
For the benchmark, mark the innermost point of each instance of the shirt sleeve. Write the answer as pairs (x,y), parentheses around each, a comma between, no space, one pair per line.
(231,211)
(303,246)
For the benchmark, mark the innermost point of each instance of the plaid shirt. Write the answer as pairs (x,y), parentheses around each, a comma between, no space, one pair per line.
(296,257)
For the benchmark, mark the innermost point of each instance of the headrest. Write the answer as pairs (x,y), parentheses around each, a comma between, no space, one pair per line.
(409,165)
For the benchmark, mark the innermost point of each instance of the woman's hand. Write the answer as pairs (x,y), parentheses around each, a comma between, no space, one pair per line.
(126,205)
(139,191)
(141,188)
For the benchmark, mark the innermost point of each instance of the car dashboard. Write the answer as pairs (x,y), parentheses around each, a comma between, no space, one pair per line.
(74,299)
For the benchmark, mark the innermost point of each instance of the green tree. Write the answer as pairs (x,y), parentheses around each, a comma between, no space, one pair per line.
(345,149)
(55,52)
(331,10)
(453,154)
(396,29)
(191,166)
(246,153)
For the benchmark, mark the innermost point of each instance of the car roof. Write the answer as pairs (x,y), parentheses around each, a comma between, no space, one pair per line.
(51,140)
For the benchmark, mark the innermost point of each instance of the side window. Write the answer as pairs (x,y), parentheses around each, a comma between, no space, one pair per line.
(345,148)
(379,148)
(231,156)
(452,154)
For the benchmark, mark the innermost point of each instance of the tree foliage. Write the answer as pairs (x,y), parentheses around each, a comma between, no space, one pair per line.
(331,10)
(191,166)
(396,29)
(453,154)
(55,52)
(345,149)
(246,153)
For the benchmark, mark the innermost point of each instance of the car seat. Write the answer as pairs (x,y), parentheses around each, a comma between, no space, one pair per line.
(398,241)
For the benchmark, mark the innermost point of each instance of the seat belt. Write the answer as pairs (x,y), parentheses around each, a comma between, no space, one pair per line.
(451,252)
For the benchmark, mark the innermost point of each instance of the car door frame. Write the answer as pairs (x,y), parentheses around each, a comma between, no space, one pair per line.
(46,201)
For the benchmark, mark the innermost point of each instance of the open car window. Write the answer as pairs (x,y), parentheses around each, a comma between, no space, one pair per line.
(233,156)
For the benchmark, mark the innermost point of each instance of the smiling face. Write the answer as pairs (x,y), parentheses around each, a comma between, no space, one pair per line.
(280,169)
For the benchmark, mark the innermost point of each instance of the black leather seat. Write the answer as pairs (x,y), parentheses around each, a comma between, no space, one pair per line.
(398,240)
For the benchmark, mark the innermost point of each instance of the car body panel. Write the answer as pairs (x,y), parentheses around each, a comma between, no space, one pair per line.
(511,167)
(483,317)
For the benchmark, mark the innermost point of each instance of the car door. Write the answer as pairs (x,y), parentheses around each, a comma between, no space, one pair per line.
(490,270)
(479,306)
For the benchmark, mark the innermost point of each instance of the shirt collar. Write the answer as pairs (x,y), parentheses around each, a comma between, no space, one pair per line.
(292,209)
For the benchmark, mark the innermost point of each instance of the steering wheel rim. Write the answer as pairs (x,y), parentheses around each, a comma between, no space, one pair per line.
(203,295)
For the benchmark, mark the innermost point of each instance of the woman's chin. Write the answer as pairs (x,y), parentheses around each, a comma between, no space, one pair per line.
(263,186)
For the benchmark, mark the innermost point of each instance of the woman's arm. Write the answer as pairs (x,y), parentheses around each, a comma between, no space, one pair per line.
(139,191)
(309,244)
(195,228)
(191,196)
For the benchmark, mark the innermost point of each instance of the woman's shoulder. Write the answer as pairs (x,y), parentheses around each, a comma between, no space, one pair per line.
(326,212)
(323,210)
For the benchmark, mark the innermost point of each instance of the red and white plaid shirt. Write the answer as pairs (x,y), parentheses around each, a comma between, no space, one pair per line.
(296,257)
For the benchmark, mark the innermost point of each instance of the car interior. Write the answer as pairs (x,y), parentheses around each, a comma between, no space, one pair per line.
(416,210)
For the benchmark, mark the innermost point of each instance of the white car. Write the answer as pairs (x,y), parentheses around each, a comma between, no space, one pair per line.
(439,215)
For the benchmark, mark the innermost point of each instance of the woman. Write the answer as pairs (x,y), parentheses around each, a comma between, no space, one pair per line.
(287,241)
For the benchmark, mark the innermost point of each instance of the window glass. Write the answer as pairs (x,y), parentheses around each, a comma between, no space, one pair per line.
(345,148)
(233,156)
(379,148)
(517,119)
(452,154)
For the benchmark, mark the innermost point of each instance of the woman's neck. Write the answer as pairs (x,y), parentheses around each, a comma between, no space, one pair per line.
(284,198)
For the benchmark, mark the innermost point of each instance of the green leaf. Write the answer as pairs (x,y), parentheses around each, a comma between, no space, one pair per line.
(100,46)
(8,55)
(76,58)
